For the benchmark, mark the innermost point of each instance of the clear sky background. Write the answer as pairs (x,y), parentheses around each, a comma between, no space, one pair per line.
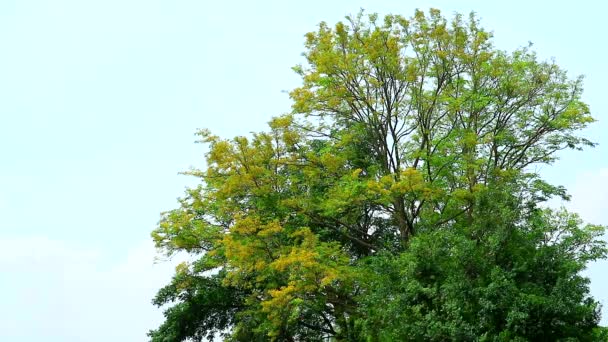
(99,100)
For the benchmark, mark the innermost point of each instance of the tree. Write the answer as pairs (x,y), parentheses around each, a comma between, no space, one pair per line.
(397,201)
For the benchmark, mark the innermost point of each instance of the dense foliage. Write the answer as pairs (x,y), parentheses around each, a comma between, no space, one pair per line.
(398,201)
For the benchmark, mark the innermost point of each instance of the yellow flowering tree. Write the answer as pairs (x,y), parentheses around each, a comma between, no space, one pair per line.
(395,202)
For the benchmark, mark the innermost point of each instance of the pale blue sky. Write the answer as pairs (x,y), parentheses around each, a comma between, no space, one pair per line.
(99,100)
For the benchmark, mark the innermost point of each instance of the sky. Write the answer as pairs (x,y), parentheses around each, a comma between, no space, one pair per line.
(99,102)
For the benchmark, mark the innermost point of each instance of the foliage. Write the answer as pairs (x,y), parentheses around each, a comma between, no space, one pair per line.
(501,281)
(396,202)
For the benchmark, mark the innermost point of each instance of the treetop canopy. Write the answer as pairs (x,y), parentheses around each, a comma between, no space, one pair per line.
(397,201)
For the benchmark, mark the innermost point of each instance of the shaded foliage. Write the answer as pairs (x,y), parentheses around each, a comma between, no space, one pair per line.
(502,281)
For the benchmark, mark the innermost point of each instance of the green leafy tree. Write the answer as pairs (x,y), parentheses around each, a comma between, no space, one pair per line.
(397,201)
